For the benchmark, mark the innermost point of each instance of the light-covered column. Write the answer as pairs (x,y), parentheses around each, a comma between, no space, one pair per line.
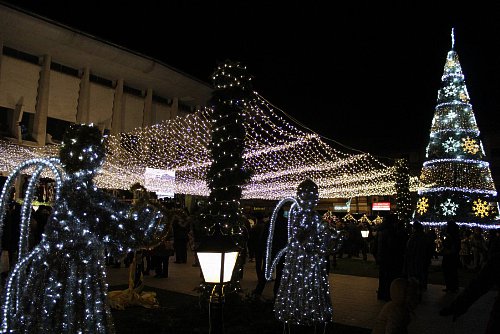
(83,108)
(42,102)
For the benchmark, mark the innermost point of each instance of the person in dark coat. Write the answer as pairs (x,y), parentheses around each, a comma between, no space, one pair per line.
(451,256)
(41,217)
(258,238)
(180,224)
(487,277)
(197,233)
(390,255)
(418,255)
(280,241)
(162,253)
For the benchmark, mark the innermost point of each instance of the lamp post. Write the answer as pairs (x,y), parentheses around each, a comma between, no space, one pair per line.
(217,257)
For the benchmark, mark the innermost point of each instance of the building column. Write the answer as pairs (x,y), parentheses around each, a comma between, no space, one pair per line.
(116,118)
(174,108)
(147,115)
(83,108)
(15,122)
(42,103)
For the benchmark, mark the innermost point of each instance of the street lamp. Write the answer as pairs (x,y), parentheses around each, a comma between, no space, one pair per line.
(365,233)
(217,257)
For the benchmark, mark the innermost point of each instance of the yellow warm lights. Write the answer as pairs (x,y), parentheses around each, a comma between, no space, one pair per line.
(281,156)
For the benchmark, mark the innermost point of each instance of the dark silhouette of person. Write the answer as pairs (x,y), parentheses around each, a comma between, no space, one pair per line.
(258,237)
(418,255)
(197,233)
(41,217)
(180,224)
(280,241)
(451,256)
(487,277)
(390,254)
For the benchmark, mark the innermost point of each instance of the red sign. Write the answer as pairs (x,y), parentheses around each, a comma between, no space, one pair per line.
(381,206)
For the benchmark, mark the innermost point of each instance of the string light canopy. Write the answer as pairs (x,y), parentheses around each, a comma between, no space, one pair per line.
(279,154)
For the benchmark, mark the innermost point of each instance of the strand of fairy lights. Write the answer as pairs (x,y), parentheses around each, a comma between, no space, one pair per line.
(274,148)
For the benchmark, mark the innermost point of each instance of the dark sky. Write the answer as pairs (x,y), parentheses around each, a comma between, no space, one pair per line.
(364,74)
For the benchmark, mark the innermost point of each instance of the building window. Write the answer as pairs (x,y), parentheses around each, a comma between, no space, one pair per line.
(20,55)
(56,128)
(101,81)
(64,69)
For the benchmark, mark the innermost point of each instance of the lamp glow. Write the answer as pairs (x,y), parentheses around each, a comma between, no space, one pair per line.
(217,267)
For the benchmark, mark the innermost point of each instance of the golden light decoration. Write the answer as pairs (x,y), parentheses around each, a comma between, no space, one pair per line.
(470,145)
(463,97)
(378,220)
(422,205)
(364,219)
(280,154)
(481,208)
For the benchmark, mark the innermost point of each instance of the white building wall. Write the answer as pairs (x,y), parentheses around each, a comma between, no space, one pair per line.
(63,96)
(161,112)
(101,104)
(18,79)
(133,109)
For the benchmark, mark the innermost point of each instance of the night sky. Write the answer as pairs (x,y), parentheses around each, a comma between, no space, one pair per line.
(364,75)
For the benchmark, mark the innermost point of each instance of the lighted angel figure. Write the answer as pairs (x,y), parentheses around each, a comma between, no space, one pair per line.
(303,297)
(59,285)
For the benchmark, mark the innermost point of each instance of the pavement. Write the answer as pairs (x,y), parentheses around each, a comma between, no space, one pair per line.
(354,298)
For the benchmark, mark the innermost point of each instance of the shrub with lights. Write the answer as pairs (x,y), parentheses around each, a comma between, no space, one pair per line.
(456,176)
(59,285)
(227,175)
(404,207)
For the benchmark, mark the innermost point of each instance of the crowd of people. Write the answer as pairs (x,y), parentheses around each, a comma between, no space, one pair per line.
(400,252)
(11,232)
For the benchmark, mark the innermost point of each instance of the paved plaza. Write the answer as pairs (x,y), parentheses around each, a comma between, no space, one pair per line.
(354,298)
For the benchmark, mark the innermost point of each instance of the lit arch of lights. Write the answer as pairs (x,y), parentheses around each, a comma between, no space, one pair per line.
(280,154)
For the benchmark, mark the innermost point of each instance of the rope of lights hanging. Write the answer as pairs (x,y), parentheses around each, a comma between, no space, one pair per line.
(280,155)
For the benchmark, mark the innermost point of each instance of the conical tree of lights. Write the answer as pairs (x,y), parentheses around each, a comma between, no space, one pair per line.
(456,178)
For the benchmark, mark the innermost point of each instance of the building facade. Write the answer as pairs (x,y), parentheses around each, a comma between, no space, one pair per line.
(52,75)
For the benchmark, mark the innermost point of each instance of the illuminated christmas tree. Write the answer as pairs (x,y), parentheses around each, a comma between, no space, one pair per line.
(456,178)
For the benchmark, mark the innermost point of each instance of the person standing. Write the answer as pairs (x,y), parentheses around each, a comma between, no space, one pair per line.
(163,252)
(180,225)
(478,247)
(451,256)
(418,256)
(487,278)
(258,238)
(390,255)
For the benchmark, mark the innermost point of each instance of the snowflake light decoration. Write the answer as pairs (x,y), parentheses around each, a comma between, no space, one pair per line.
(470,145)
(452,115)
(449,91)
(422,205)
(378,220)
(449,208)
(481,208)
(464,97)
(451,145)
